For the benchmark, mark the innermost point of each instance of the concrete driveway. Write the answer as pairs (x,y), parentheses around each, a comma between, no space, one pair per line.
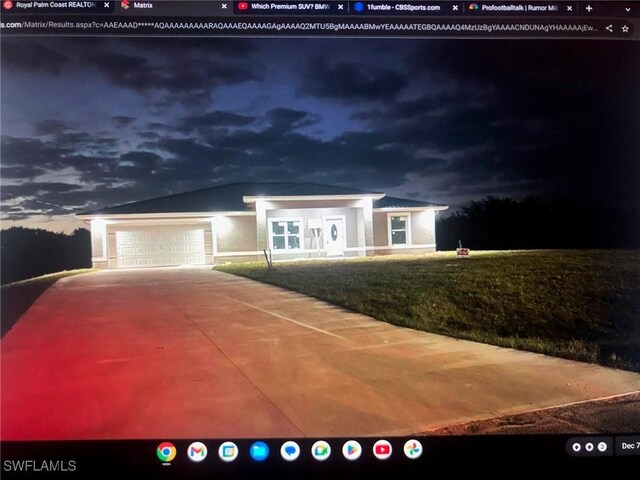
(175,353)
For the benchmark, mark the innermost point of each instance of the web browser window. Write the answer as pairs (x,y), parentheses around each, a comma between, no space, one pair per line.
(297,238)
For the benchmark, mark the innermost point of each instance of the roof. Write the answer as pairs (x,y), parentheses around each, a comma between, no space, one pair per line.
(229,198)
(394,202)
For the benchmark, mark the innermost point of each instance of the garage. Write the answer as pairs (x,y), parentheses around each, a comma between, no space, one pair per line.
(160,246)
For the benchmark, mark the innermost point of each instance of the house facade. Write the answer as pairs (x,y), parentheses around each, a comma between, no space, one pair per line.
(237,222)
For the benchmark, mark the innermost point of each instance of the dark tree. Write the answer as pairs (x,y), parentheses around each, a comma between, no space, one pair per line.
(28,252)
(504,223)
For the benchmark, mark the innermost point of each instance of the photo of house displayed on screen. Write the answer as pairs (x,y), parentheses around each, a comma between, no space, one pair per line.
(286,238)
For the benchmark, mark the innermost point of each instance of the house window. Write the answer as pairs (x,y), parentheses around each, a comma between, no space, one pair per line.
(286,234)
(399,229)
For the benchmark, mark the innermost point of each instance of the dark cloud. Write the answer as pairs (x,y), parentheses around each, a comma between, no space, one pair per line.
(133,165)
(30,189)
(187,77)
(148,135)
(22,171)
(63,136)
(177,71)
(161,126)
(122,121)
(351,82)
(32,57)
(278,151)
(50,127)
(33,152)
(216,118)
(287,119)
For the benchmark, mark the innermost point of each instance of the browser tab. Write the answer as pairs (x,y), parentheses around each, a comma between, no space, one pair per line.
(521,8)
(72,7)
(287,8)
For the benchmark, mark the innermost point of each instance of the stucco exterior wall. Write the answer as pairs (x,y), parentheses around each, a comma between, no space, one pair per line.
(235,234)
(423,228)
(380,236)
(98,243)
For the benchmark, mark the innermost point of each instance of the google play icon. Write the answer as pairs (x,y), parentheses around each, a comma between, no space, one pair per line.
(351,450)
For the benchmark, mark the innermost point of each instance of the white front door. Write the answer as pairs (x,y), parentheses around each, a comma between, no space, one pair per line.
(333,233)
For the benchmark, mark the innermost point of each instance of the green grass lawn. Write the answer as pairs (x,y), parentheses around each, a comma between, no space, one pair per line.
(16,298)
(578,304)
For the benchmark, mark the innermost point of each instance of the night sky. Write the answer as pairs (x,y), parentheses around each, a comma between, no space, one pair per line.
(91,122)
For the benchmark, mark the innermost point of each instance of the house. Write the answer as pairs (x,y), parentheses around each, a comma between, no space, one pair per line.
(236,222)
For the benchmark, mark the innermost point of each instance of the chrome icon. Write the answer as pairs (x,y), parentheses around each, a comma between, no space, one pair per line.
(166,451)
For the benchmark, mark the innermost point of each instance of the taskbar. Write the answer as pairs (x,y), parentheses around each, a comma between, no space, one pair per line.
(356,457)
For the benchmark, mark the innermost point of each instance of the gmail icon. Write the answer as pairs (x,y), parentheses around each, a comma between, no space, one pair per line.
(197,452)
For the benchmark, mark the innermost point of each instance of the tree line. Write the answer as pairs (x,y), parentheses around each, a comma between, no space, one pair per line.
(31,252)
(508,224)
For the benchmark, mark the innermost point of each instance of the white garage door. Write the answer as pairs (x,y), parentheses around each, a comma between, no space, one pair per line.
(160,246)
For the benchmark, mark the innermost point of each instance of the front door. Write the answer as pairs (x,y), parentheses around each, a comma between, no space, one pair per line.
(333,233)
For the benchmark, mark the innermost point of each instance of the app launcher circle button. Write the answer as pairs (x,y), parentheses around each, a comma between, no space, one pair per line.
(321,450)
(228,452)
(290,451)
(259,451)
(351,450)
(382,449)
(166,452)
(197,452)
(413,449)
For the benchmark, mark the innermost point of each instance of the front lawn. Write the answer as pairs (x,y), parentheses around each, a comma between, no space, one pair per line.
(17,297)
(577,304)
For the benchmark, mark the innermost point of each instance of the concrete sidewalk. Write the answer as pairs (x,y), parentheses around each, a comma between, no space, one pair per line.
(176,353)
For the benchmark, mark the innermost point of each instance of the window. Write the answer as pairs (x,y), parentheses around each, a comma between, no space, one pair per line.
(399,230)
(286,234)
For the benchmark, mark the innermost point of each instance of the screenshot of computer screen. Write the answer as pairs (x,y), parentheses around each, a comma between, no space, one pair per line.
(245,238)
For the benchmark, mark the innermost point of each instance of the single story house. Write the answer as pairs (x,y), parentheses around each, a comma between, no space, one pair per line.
(236,222)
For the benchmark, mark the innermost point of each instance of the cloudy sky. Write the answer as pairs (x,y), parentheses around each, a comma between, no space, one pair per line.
(93,122)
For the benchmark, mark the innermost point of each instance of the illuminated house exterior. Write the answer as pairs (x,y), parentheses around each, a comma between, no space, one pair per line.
(236,222)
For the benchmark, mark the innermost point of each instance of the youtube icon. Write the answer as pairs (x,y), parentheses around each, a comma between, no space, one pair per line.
(382,449)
